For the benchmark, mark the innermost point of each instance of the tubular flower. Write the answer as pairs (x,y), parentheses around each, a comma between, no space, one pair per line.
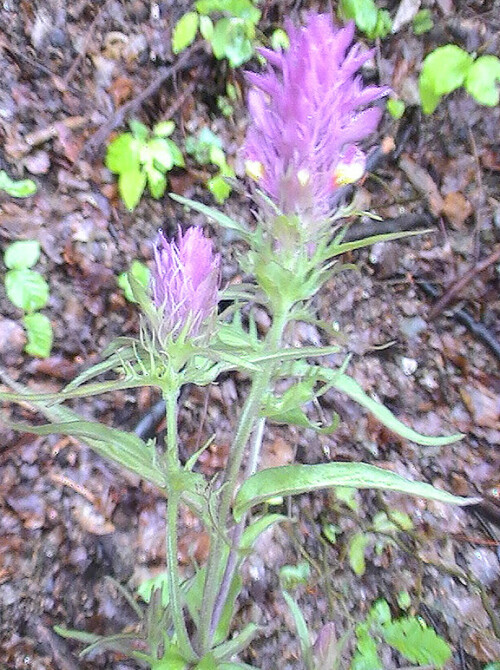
(308,112)
(185,282)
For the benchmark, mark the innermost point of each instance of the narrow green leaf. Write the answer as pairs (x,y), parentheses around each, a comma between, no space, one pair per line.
(236,644)
(295,479)
(26,289)
(334,250)
(184,32)
(138,270)
(40,335)
(131,185)
(302,632)
(215,215)
(351,388)
(126,449)
(255,528)
(22,255)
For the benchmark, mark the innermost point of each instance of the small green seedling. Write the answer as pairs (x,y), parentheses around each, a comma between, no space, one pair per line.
(140,272)
(409,635)
(422,22)
(29,291)
(17,189)
(206,148)
(142,157)
(230,36)
(371,21)
(449,67)
(396,108)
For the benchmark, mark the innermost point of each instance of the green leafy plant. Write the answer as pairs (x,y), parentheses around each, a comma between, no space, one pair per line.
(371,21)
(449,67)
(142,157)
(206,148)
(17,189)
(409,635)
(140,273)
(29,291)
(230,36)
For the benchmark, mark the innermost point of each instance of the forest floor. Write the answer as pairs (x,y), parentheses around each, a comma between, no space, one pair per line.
(68,520)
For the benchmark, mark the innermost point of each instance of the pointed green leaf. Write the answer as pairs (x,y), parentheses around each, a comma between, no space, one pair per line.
(157,183)
(302,631)
(184,32)
(350,387)
(357,547)
(215,215)
(40,335)
(131,185)
(295,479)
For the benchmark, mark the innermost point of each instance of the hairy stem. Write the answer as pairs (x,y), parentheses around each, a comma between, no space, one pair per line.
(220,569)
(173,469)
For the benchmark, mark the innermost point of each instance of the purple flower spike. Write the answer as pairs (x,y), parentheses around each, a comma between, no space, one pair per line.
(308,111)
(185,281)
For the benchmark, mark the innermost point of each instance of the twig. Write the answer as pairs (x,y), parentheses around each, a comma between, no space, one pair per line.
(459,284)
(90,33)
(119,116)
(463,317)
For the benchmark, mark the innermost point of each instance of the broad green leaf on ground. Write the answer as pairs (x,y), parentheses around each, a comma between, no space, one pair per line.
(17,189)
(123,154)
(185,31)
(350,387)
(295,479)
(26,289)
(483,80)
(40,335)
(443,71)
(22,255)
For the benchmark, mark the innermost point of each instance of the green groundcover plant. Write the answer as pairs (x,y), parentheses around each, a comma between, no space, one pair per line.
(309,112)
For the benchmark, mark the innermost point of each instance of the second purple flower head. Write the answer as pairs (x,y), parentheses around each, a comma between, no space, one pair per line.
(185,282)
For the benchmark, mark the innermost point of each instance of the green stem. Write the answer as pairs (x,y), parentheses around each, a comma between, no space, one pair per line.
(217,562)
(173,470)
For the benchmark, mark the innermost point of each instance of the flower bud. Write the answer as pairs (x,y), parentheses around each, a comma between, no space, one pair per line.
(185,282)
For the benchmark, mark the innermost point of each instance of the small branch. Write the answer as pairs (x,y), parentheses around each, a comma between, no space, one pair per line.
(90,33)
(117,119)
(460,283)
(478,329)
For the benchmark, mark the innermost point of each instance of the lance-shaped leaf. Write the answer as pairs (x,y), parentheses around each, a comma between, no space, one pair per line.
(125,449)
(294,479)
(214,214)
(351,388)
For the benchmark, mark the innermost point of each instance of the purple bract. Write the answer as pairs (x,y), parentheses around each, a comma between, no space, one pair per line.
(308,112)
(185,281)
